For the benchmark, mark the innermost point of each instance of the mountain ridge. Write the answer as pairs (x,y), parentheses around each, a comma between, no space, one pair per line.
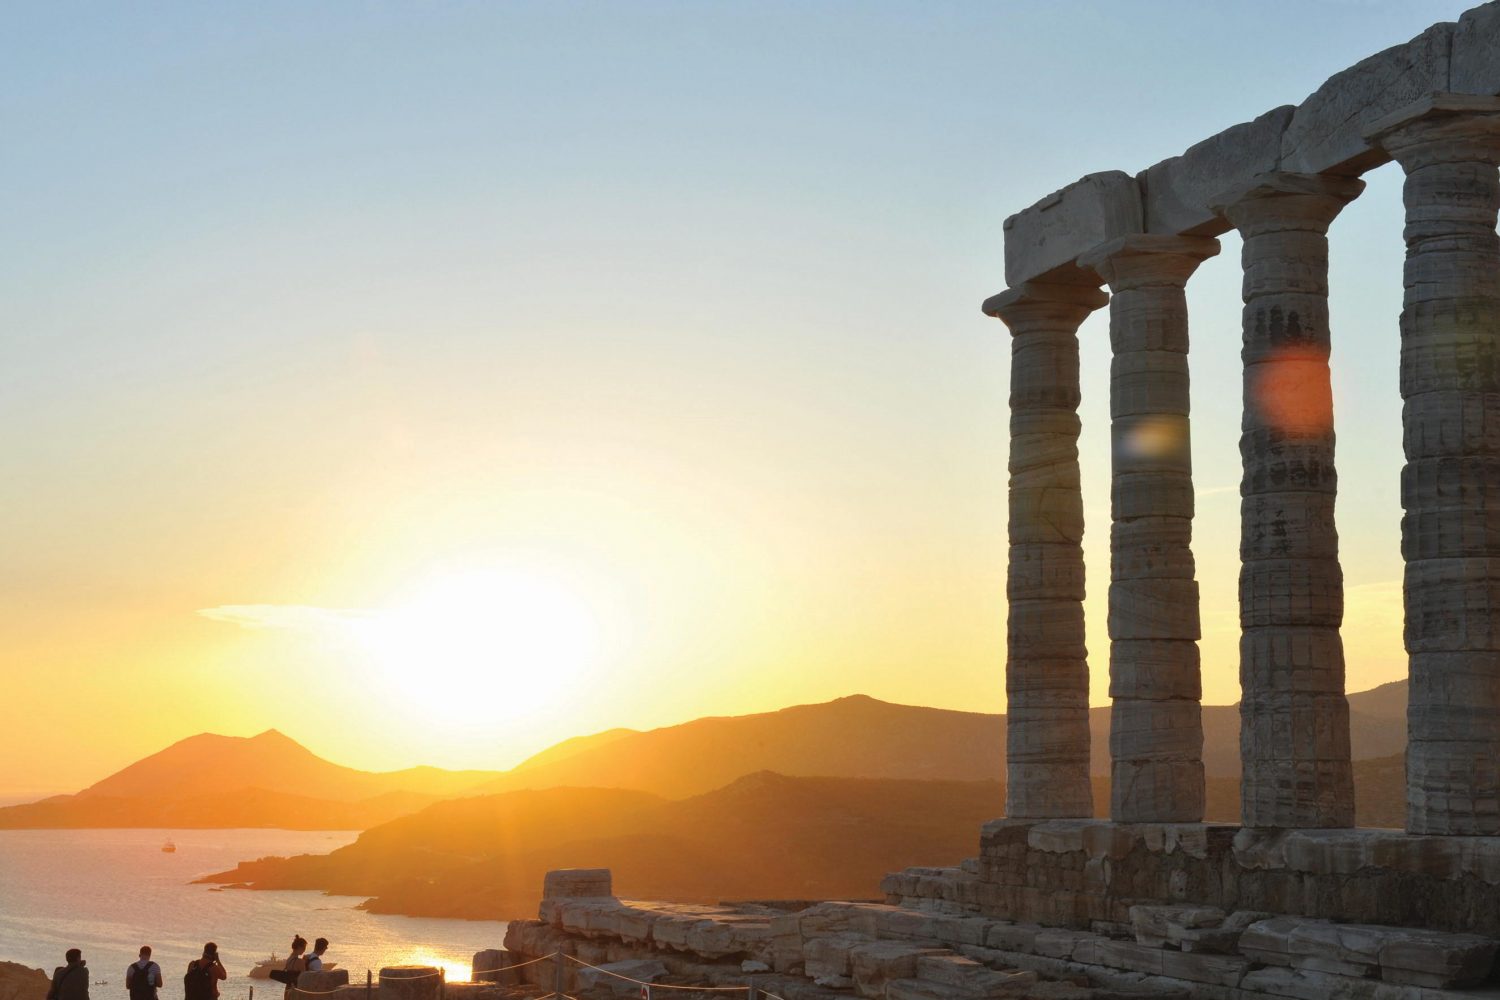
(270,779)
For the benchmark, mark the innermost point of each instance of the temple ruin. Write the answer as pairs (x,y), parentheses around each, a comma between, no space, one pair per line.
(1153,901)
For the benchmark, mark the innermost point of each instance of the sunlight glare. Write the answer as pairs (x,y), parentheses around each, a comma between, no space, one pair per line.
(483,645)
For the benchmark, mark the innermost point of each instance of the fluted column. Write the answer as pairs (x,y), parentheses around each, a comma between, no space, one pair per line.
(1046,669)
(1156,728)
(1294,718)
(1450,486)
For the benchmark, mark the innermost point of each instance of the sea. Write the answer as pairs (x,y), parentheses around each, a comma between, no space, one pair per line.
(107,892)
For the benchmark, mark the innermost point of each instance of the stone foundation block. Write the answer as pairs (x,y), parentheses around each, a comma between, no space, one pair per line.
(872,965)
(829,956)
(1158,926)
(968,978)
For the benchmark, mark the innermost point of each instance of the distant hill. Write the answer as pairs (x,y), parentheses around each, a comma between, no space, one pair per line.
(764,835)
(209,764)
(860,737)
(271,780)
(211,781)
(853,737)
(573,746)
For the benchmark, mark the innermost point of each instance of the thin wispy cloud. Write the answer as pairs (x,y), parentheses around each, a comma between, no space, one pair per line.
(285,617)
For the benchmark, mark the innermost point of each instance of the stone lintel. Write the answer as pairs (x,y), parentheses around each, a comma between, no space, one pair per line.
(1177,191)
(1326,132)
(1014,303)
(1475,62)
(1149,259)
(1043,241)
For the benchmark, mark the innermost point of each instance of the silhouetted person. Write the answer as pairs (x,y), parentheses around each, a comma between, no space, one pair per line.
(203,975)
(143,976)
(294,967)
(71,981)
(315,960)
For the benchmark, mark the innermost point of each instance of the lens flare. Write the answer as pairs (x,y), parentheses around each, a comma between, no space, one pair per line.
(1292,395)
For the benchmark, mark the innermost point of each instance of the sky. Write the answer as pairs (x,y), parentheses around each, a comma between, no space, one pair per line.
(434,382)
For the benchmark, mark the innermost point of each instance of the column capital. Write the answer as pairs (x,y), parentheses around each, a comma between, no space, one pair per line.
(1440,128)
(1149,259)
(1280,200)
(1049,303)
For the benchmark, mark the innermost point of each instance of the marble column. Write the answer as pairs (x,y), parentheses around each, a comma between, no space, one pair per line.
(1294,718)
(1156,728)
(1046,670)
(1450,486)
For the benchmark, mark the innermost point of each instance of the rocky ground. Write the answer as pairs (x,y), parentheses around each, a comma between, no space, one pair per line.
(17,982)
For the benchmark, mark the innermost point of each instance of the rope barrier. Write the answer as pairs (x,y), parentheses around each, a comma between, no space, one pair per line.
(660,986)
(293,990)
(425,975)
(518,965)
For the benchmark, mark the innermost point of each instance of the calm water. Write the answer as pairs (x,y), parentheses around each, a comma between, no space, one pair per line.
(110,891)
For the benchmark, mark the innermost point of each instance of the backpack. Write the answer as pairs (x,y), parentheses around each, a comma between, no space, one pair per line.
(288,976)
(141,982)
(198,983)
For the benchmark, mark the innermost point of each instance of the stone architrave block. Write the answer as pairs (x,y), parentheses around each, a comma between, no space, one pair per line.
(1325,134)
(1177,191)
(1049,236)
(1475,66)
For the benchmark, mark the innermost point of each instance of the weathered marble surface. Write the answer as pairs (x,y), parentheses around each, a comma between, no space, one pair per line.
(1041,242)
(913,952)
(1450,381)
(1046,672)
(1294,734)
(1156,732)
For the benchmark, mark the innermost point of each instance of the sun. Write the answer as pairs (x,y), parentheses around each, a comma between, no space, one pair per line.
(482,645)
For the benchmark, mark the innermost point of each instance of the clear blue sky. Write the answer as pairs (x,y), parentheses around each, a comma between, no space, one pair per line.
(678,302)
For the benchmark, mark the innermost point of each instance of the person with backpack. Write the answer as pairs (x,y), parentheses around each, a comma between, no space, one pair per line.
(71,981)
(201,982)
(143,976)
(315,960)
(288,974)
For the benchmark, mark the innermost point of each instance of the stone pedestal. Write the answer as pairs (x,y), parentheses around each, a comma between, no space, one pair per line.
(1450,487)
(1046,671)
(1294,735)
(411,982)
(1156,734)
(324,981)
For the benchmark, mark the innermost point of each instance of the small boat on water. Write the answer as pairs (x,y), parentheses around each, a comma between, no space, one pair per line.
(263,968)
(169,848)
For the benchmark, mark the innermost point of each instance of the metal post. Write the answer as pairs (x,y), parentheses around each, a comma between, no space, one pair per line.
(442,983)
(557,983)
(369,985)
(754,992)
